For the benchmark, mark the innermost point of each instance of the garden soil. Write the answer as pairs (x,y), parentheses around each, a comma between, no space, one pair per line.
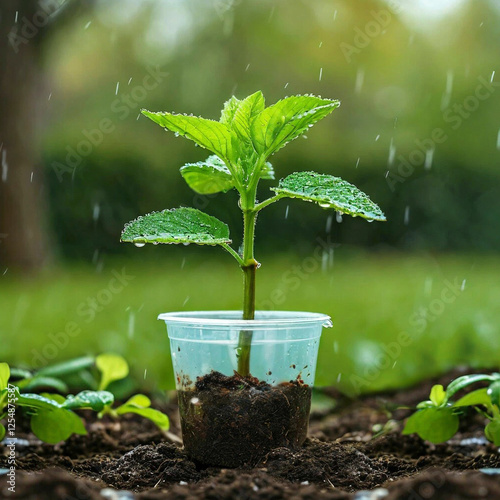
(354,451)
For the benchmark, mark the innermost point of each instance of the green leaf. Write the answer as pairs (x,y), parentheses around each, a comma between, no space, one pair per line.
(478,397)
(36,382)
(492,431)
(208,134)
(20,373)
(2,432)
(112,367)
(138,400)
(438,395)
(228,111)
(53,426)
(462,382)
(243,114)
(329,192)
(36,401)
(58,398)
(157,417)
(179,225)
(4,375)
(209,176)
(66,367)
(95,400)
(433,424)
(286,120)
(494,393)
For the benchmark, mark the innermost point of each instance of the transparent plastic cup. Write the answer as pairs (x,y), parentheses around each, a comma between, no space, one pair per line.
(229,420)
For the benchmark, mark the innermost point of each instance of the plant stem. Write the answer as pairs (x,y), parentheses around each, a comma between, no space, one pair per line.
(249,266)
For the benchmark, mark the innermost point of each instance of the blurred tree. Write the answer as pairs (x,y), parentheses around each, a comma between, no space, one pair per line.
(24,25)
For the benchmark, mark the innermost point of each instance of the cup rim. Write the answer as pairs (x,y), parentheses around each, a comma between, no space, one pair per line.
(232,318)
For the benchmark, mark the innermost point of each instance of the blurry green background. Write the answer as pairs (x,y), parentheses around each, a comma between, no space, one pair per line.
(418,129)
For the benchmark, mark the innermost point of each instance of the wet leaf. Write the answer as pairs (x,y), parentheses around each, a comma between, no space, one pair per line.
(462,382)
(433,424)
(95,400)
(331,192)
(240,115)
(36,401)
(209,176)
(208,134)
(286,120)
(179,225)
(112,367)
(139,400)
(494,393)
(36,382)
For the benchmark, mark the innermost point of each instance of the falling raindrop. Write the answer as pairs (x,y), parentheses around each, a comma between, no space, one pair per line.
(320,45)
(429,155)
(185,301)
(5,272)
(357,162)
(320,73)
(139,245)
(392,153)
(386,174)
(183,263)
(335,15)
(145,373)
(445,99)
(335,347)
(50,97)
(339,376)
(5,167)
(286,85)
(462,286)
(96,211)
(329,221)
(87,25)
(95,256)
(498,140)
(286,211)
(31,177)
(360,77)
(131,325)
(377,138)
(248,65)
(407,215)
(492,76)
(324,261)
(428,285)
(338,217)
(117,88)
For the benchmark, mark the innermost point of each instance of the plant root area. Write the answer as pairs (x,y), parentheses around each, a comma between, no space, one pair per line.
(355,450)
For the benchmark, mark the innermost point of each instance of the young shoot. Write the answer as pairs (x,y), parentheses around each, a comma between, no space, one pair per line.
(241,143)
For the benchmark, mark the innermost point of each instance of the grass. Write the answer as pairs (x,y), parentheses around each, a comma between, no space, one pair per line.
(396,318)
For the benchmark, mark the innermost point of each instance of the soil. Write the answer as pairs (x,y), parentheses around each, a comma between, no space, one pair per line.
(235,421)
(354,451)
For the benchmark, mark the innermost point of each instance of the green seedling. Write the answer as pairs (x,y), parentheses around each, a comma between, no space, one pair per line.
(52,416)
(438,418)
(241,142)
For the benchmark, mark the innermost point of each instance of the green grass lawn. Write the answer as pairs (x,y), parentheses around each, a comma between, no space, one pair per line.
(396,318)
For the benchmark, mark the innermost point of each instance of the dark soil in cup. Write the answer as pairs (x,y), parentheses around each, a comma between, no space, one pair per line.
(352,446)
(233,421)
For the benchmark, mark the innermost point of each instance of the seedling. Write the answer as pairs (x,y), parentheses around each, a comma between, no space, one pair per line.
(438,418)
(241,143)
(52,416)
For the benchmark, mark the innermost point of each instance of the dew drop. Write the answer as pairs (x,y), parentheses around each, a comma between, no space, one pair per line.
(139,245)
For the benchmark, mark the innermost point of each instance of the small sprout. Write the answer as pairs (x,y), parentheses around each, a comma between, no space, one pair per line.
(438,418)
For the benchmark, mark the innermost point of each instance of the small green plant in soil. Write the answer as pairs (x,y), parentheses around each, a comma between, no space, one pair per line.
(247,134)
(438,418)
(52,414)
